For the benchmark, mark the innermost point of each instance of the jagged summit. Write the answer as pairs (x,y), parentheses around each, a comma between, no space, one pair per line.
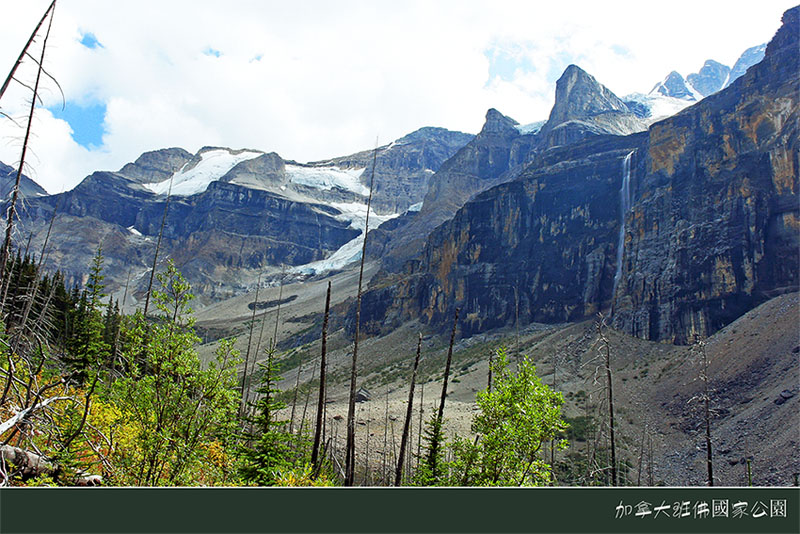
(749,57)
(579,95)
(710,78)
(497,123)
(583,106)
(675,86)
(156,165)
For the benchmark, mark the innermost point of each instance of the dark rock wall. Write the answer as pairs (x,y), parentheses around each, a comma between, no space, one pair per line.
(714,228)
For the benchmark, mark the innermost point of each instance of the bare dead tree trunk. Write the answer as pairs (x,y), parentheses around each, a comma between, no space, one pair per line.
(305,408)
(641,457)
(394,457)
(366,447)
(706,409)
(158,248)
(421,415)
(607,347)
(440,414)
(296,388)
(489,380)
(322,371)
(38,278)
(261,333)
(25,49)
(351,408)
(553,441)
(249,345)
(10,214)
(650,479)
(409,408)
(384,466)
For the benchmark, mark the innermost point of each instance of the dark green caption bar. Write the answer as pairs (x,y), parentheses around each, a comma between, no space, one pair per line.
(132,510)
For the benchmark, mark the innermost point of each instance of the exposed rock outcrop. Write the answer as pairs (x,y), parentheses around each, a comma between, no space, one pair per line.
(583,107)
(404,167)
(714,228)
(712,231)
(27,187)
(156,165)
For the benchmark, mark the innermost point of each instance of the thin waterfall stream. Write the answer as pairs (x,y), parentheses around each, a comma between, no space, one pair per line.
(625,204)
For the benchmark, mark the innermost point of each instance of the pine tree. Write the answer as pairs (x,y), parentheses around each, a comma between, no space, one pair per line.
(88,350)
(267,450)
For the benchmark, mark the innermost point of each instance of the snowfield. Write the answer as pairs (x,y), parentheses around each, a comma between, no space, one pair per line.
(356,214)
(327,178)
(214,165)
(660,106)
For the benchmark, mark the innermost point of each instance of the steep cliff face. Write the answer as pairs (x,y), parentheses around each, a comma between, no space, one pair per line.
(539,248)
(583,108)
(708,231)
(493,156)
(233,214)
(219,238)
(714,227)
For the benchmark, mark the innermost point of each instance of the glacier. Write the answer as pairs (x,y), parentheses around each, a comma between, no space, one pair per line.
(213,165)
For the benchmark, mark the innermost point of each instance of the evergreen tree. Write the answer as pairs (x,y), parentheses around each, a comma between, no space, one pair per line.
(87,347)
(268,446)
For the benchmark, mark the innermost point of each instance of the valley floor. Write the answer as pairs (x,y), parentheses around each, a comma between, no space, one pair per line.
(754,380)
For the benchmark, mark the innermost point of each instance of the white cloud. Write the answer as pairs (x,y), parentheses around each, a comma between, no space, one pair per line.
(334,75)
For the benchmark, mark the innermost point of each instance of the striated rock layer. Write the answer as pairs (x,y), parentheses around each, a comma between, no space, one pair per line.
(712,230)
(714,227)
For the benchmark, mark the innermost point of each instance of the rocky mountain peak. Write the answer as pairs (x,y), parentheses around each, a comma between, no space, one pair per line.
(497,123)
(156,165)
(710,78)
(673,85)
(749,57)
(434,133)
(8,176)
(579,95)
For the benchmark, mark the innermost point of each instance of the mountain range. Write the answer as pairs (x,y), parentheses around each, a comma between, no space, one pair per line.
(676,210)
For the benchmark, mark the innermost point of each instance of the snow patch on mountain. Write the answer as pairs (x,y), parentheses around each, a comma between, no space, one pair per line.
(327,178)
(213,165)
(660,106)
(531,128)
(356,215)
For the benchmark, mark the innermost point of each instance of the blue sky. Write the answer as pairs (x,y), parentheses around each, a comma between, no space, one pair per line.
(316,79)
(86,122)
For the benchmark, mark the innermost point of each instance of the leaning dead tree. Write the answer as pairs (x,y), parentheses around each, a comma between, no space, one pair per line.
(409,408)
(699,348)
(249,346)
(437,425)
(350,447)
(158,247)
(322,371)
(12,207)
(607,359)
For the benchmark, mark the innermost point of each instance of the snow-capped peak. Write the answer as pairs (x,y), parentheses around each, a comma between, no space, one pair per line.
(213,165)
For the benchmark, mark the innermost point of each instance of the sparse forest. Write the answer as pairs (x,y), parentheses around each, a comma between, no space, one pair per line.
(91,396)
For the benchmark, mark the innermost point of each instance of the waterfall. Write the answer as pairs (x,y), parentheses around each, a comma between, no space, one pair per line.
(624,204)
